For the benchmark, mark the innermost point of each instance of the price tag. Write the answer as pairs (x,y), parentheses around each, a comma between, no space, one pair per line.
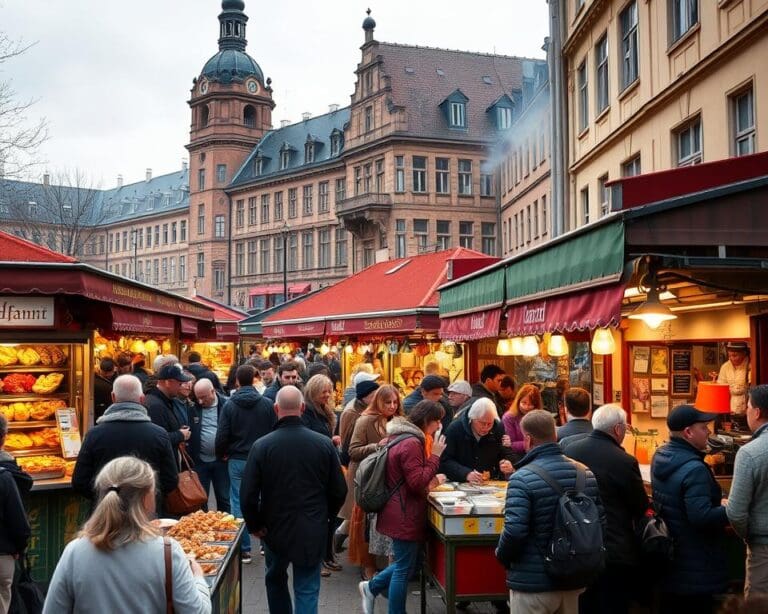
(69,432)
(471,526)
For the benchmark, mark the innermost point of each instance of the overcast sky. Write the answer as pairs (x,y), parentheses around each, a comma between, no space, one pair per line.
(112,77)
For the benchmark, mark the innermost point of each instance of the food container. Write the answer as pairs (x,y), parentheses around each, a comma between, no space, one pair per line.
(456,494)
(487,505)
(52,474)
(454,507)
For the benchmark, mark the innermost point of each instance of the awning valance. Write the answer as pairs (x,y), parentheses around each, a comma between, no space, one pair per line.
(481,293)
(188,327)
(472,326)
(285,331)
(376,326)
(227,331)
(143,322)
(278,289)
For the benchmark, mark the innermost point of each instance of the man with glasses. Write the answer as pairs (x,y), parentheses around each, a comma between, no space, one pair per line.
(488,387)
(287,375)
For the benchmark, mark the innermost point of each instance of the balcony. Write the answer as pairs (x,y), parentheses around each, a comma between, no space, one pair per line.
(359,212)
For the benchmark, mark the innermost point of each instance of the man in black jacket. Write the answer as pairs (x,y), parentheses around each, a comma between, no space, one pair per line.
(578,409)
(125,429)
(200,371)
(292,488)
(102,387)
(287,375)
(625,502)
(245,418)
(488,387)
(161,408)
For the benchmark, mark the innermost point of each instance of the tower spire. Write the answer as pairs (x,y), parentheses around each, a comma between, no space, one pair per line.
(232,22)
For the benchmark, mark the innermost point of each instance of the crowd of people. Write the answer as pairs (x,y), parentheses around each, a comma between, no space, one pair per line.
(277,451)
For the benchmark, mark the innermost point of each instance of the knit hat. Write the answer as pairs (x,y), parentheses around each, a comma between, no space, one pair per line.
(364,388)
(431,382)
(364,377)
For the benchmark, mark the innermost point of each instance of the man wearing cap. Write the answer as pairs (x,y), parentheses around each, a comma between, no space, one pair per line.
(459,393)
(361,367)
(747,506)
(689,499)
(430,389)
(161,408)
(735,373)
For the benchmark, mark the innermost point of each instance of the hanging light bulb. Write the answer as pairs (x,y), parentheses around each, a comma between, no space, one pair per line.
(530,346)
(602,342)
(516,346)
(557,346)
(151,346)
(653,312)
(324,349)
(348,349)
(137,347)
(504,347)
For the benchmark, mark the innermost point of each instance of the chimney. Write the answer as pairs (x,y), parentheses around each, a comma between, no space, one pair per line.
(285,122)
(184,164)
(46,179)
(119,181)
(332,108)
(149,174)
(305,116)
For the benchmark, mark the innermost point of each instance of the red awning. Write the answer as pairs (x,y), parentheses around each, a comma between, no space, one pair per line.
(482,325)
(382,325)
(278,289)
(284,331)
(227,331)
(135,321)
(188,327)
(583,310)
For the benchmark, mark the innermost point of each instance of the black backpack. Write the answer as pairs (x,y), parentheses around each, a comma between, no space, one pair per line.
(575,555)
(371,492)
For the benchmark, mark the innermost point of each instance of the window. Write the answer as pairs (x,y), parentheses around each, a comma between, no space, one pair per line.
(200,265)
(631,167)
(368,81)
(293,252)
(285,159)
(465,177)
(341,246)
(544,226)
(309,152)
(218,278)
(421,233)
(488,230)
(264,255)
(149,238)
(379,175)
(252,211)
(252,255)
(368,119)
(182,268)
(279,252)
(486,179)
(239,258)
(219,231)
(322,196)
(535,216)
(528,224)
(419,174)
(157,237)
(400,242)
(278,206)
(172,270)
(240,213)
(743,114)
(221,173)
(165,235)
(201,179)
(307,200)
(585,205)
(200,220)
(265,208)
(174,233)
(125,236)
(341,189)
(603,194)
(140,235)
(629,52)
(466,234)
(583,96)
(111,242)
(258,165)
(601,74)
(156,271)
(458,115)
(503,118)
(204,113)
(442,176)
(292,203)
(117,241)
(443,234)
(307,250)
(368,177)
(688,143)
(324,248)
(399,173)
(358,180)
(684,15)
(335,144)
(249,116)
(140,271)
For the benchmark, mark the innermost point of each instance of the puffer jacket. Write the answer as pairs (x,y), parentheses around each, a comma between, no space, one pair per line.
(245,417)
(14,527)
(405,514)
(687,497)
(529,516)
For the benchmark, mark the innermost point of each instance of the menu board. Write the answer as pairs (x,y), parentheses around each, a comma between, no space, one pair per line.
(69,432)
(681,361)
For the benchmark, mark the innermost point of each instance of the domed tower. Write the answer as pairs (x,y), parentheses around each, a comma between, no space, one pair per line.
(231,110)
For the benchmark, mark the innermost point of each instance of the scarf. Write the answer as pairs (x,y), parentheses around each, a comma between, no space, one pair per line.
(428,440)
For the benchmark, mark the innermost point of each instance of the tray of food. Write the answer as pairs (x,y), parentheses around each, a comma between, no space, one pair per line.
(210,569)
(487,505)
(454,507)
(43,467)
(440,495)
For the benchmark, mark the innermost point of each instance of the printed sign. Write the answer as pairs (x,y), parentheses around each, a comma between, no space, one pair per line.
(25,311)
(69,432)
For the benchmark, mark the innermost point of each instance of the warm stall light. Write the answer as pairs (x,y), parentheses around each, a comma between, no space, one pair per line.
(151,346)
(652,311)
(530,346)
(516,345)
(361,349)
(557,346)
(324,349)
(137,347)
(713,397)
(602,342)
(504,347)
(348,349)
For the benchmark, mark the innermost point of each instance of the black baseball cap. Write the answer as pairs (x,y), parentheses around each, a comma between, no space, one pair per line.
(687,415)
(174,372)
(431,382)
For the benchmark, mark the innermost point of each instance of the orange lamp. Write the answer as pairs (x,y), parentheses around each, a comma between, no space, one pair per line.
(713,398)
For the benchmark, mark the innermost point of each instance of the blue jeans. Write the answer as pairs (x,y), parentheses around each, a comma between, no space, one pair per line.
(306,585)
(217,473)
(395,577)
(236,468)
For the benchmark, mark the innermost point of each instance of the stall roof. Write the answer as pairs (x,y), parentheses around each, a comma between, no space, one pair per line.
(221,312)
(16,249)
(252,324)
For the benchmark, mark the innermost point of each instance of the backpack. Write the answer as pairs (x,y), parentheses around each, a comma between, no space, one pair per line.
(575,555)
(371,492)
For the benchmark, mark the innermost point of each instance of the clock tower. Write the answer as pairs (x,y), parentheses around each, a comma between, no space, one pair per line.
(231,107)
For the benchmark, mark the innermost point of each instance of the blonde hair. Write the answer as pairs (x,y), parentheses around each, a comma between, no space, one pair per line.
(120,517)
(312,391)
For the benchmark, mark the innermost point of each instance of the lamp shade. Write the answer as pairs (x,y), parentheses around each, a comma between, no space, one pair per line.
(557,346)
(530,346)
(602,342)
(504,347)
(713,398)
(517,346)
(653,312)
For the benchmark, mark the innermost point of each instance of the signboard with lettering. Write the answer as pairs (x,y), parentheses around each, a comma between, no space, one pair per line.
(472,326)
(26,312)
(69,432)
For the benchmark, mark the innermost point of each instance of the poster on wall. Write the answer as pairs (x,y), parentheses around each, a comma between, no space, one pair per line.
(659,406)
(640,359)
(659,384)
(641,395)
(659,361)
(597,395)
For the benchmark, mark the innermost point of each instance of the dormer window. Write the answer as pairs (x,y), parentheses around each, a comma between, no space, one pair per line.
(503,118)
(454,109)
(309,152)
(285,156)
(335,143)
(458,115)
(258,165)
(502,113)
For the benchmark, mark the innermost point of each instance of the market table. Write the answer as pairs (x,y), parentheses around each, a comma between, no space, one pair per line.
(227,584)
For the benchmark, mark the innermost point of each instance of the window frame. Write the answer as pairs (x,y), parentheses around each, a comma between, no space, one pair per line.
(683,17)
(465,177)
(629,58)
(745,135)
(582,85)
(692,127)
(602,83)
(442,176)
(457,112)
(419,175)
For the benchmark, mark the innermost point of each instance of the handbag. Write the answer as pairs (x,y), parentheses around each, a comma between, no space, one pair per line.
(652,532)
(189,496)
(168,576)
(26,595)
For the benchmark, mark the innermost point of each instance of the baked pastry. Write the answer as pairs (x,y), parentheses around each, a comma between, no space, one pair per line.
(41,464)
(21,411)
(45,355)
(48,383)
(7,411)
(8,356)
(58,357)
(28,357)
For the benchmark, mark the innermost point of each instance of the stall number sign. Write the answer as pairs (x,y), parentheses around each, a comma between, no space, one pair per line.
(69,432)
(18,312)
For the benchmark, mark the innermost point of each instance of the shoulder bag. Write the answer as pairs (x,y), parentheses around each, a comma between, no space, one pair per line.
(168,576)
(189,496)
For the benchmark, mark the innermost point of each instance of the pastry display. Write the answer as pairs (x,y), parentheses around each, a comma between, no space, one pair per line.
(21,411)
(28,356)
(69,468)
(41,464)
(26,440)
(8,356)
(18,383)
(48,383)
(18,441)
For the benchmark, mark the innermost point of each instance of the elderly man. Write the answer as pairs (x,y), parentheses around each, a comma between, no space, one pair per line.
(476,446)
(293,487)
(125,429)
(202,444)
(161,407)
(624,499)
(747,506)
(459,393)
(689,499)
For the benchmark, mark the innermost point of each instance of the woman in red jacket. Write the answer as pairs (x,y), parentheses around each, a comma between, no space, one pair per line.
(412,470)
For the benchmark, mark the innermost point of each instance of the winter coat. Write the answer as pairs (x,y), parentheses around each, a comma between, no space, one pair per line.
(294,503)
(479,391)
(574,427)
(315,419)
(271,392)
(246,417)
(512,428)
(22,478)
(102,395)
(196,425)
(621,491)
(200,371)
(529,516)
(348,421)
(748,498)
(164,412)
(687,497)
(465,453)
(405,513)
(412,399)
(14,527)
(125,429)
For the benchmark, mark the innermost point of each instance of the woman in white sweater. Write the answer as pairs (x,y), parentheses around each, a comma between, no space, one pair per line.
(117,564)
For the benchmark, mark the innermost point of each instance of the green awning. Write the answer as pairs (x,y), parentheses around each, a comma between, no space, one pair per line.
(585,260)
(480,293)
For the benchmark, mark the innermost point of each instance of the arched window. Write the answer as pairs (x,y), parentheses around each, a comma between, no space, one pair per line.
(249,116)
(204,116)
